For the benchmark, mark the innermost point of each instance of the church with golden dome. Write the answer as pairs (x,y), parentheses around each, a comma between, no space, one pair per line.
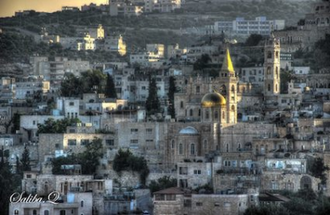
(210,100)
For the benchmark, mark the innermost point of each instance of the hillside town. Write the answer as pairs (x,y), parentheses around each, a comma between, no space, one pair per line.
(232,119)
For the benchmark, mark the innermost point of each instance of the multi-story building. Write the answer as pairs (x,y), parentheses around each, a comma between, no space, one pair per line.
(54,69)
(28,88)
(253,75)
(243,27)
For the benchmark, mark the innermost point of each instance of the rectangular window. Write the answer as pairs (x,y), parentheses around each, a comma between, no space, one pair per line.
(197,172)
(149,130)
(199,204)
(72,142)
(149,141)
(84,142)
(71,103)
(110,142)
(170,197)
(183,170)
(134,131)
(134,141)
(160,197)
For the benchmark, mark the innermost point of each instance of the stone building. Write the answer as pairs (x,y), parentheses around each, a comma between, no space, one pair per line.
(188,103)
(177,201)
(67,143)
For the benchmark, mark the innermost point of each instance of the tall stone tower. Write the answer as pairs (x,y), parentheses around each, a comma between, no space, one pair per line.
(228,87)
(272,67)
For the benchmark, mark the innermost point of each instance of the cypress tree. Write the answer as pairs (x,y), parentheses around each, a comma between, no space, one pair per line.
(152,103)
(171,91)
(110,90)
(26,160)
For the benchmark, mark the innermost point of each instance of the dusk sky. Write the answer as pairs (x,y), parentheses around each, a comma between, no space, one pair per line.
(8,7)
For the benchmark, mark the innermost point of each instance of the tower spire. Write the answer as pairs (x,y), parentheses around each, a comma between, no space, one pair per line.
(227,64)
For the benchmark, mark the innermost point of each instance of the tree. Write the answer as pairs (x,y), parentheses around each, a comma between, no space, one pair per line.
(202,62)
(286,77)
(126,161)
(89,159)
(26,160)
(89,82)
(51,126)
(162,183)
(110,90)
(152,103)
(318,169)
(8,183)
(93,81)
(171,91)
(253,40)
(71,86)
(16,122)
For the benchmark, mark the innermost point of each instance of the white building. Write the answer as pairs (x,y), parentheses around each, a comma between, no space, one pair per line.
(56,68)
(301,70)
(26,89)
(243,27)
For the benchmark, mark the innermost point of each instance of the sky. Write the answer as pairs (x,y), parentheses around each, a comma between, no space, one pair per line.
(8,7)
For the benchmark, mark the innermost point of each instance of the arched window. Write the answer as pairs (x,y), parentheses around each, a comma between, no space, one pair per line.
(180,149)
(207,114)
(233,88)
(223,90)
(173,144)
(191,112)
(82,204)
(276,72)
(269,54)
(277,54)
(216,115)
(16,212)
(192,149)
(275,87)
(46,212)
(198,89)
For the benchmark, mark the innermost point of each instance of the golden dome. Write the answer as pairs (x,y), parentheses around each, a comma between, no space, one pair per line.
(213,100)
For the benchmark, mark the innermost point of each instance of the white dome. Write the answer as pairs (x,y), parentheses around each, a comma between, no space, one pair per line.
(188,130)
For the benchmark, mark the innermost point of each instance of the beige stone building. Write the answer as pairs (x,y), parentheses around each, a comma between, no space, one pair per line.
(178,201)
